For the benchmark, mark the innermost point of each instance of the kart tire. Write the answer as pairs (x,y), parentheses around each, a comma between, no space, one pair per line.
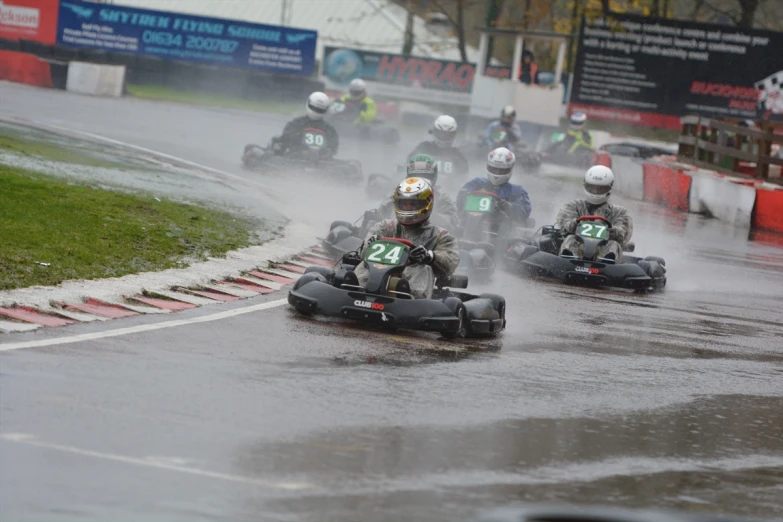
(339,223)
(328,273)
(309,278)
(457,307)
(661,261)
(498,303)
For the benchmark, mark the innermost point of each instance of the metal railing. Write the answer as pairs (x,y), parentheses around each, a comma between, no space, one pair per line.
(724,146)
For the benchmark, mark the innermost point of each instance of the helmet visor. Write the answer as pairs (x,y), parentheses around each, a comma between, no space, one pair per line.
(317,110)
(598,190)
(411,204)
(499,171)
(444,135)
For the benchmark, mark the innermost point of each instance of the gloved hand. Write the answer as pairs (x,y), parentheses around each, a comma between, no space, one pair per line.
(504,206)
(569,227)
(615,234)
(373,238)
(422,256)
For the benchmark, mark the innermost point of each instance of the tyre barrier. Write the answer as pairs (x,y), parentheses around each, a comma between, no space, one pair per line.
(743,202)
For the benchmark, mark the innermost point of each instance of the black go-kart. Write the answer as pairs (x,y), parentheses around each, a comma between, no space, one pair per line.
(557,154)
(342,117)
(307,159)
(345,237)
(539,256)
(485,230)
(383,302)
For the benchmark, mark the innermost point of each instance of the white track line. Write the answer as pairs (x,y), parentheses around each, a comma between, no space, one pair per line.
(23,438)
(6,347)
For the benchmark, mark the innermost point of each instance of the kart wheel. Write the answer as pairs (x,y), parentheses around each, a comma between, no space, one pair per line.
(338,223)
(309,278)
(657,259)
(458,308)
(498,303)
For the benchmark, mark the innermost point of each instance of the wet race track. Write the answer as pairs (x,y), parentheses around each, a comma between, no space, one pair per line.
(669,400)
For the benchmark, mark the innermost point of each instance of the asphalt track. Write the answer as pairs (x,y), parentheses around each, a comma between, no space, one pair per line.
(670,400)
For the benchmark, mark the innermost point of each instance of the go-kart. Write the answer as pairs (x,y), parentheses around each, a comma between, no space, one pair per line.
(539,256)
(558,155)
(309,158)
(342,117)
(527,158)
(383,302)
(484,229)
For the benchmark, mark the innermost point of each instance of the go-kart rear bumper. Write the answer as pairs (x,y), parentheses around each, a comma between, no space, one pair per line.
(588,273)
(429,315)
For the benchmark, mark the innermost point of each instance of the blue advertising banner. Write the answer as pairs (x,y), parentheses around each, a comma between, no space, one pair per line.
(185,37)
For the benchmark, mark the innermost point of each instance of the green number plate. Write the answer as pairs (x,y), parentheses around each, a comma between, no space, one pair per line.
(384,252)
(476,203)
(593,229)
(314,140)
(498,136)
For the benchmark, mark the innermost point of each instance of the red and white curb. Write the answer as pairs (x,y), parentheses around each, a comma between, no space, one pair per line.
(251,283)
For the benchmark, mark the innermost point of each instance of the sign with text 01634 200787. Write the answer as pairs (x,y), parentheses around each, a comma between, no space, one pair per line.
(191,38)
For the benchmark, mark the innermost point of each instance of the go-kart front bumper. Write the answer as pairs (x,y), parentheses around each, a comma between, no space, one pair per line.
(427,315)
(588,273)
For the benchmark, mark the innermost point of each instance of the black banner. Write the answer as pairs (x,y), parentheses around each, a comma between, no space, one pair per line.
(651,71)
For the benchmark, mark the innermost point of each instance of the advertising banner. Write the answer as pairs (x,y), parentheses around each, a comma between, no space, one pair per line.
(651,71)
(412,78)
(29,20)
(184,37)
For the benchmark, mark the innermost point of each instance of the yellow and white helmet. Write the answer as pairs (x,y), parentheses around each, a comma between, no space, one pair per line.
(413,201)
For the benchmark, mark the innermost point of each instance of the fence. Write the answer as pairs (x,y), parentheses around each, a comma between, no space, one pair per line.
(728,147)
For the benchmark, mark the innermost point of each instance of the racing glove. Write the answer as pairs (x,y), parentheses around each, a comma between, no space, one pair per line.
(569,227)
(616,234)
(422,256)
(373,238)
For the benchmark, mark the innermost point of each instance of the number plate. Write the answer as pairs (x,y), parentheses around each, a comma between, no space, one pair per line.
(477,203)
(445,166)
(499,136)
(313,140)
(384,252)
(593,229)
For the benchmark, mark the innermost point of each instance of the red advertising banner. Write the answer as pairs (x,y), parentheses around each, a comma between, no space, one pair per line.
(29,20)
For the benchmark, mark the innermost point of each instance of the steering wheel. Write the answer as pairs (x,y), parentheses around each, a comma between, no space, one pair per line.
(483,193)
(593,218)
(397,240)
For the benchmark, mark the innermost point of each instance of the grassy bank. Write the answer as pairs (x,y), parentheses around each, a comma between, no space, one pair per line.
(32,143)
(154,92)
(53,231)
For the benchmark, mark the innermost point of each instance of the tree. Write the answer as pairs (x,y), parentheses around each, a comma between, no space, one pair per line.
(455,13)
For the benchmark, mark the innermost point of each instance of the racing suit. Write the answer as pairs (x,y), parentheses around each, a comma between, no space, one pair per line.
(366,107)
(444,246)
(513,133)
(517,201)
(451,161)
(575,140)
(294,131)
(619,234)
(444,213)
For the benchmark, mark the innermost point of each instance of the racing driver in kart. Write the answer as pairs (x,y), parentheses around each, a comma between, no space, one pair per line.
(441,147)
(294,132)
(513,200)
(357,101)
(507,123)
(424,166)
(435,252)
(598,186)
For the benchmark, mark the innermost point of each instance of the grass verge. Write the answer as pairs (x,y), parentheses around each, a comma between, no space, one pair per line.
(15,142)
(155,92)
(83,232)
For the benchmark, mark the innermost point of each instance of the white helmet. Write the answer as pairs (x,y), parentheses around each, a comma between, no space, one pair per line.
(578,120)
(444,130)
(500,164)
(598,184)
(317,105)
(508,114)
(357,88)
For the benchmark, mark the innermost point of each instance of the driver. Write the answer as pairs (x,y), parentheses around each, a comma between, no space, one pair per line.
(357,100)
(435,253)
(576,136)
(444,132)
(513,200)
(598,186)
(424,166)
(506,123)
(294,132)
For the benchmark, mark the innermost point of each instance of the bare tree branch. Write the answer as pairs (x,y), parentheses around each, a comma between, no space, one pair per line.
(731,16)
(458,23)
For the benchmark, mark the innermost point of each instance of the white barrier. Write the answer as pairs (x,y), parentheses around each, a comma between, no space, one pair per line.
(724,200)
(628,176)
(94,79)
